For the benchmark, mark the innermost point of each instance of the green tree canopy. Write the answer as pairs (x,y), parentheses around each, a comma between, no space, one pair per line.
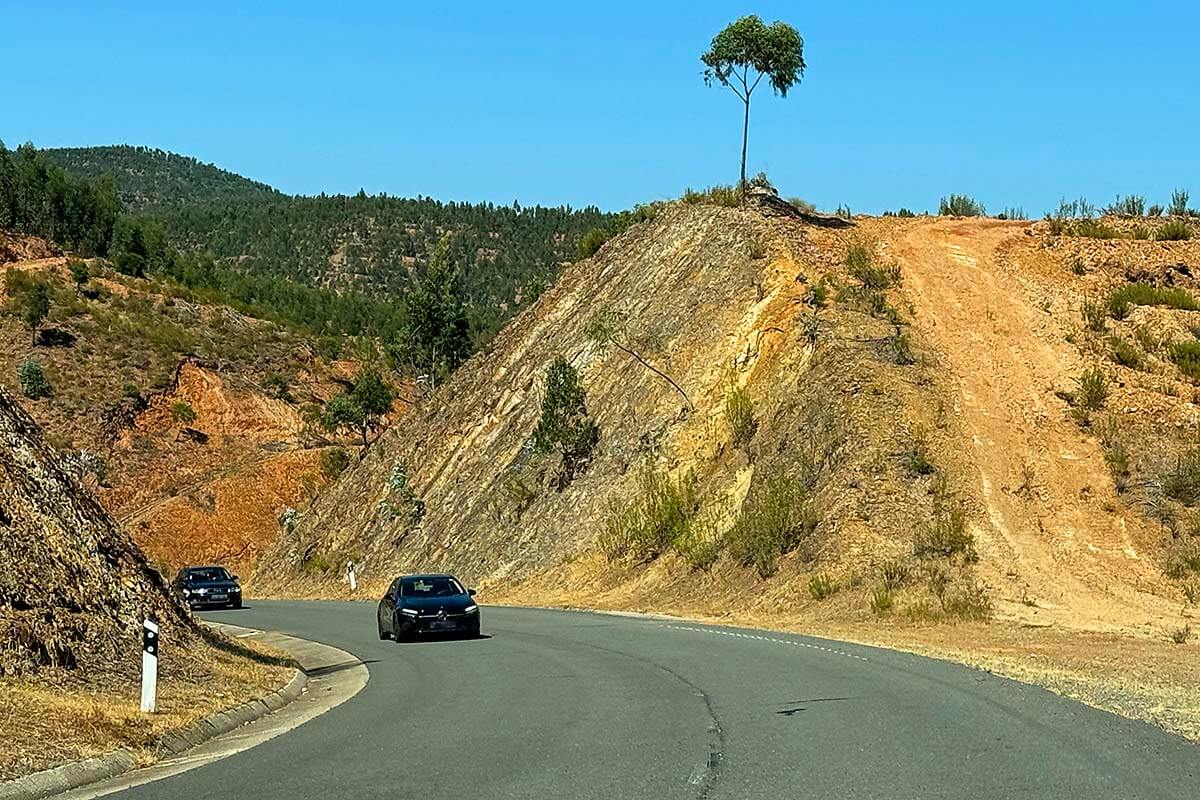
(747,51)
(437,336)
(565,426)
(360,408)
(35,307)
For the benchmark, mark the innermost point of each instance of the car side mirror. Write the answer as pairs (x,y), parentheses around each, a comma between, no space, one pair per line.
(471,592)
(235,577)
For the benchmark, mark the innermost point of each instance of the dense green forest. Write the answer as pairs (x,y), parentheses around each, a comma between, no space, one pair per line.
(149,179)
(379,245)
(40,199)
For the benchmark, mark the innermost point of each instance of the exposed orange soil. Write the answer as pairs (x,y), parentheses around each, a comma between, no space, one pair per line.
(1055,537)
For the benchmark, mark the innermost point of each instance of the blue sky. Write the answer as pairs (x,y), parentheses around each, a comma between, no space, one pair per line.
(1016,103)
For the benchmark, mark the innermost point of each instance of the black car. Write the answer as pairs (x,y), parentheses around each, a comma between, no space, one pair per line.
(418,605)
(208,587)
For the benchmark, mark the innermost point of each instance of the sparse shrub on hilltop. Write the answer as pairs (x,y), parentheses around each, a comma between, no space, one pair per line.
(1179,203)
(1175,230)
(1129,206)
(721,195)
(961,205)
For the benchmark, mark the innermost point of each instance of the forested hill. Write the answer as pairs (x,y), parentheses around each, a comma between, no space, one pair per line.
(152,180)
(504,254)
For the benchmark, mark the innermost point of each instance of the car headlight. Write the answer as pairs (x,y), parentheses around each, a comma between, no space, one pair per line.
(471,609)
(236,590)
(202,592)
(187,592)
(412,612)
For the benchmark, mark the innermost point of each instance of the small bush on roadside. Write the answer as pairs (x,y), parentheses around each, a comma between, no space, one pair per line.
(775,520)
(32,380)
(1144,294)
(1183,558)
(899,348)
(1093,390)
(821,586)
(279,386)
(333,462)
(1174,231)
(1116,454)
(1179,203)
(967,600)
(1140,233)
(882,600)
(894,573)
(656,518)
(960,205)
(1181,635)
(946,536)
(1094,229)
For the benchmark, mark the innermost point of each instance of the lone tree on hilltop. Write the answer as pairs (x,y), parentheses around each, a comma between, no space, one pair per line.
(745,52)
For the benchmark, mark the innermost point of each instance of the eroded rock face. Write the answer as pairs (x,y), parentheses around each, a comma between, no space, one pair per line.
(74,588)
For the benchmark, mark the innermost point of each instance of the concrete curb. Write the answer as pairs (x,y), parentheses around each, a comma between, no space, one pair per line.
(81,773)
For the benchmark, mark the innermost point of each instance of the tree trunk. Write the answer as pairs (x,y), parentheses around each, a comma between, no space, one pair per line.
(745,137)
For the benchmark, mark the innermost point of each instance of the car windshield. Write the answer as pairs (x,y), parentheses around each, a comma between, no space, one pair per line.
(430,587)
(206,574)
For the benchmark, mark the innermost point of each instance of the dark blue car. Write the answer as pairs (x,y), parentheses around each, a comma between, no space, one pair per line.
(423,605)
(209,587)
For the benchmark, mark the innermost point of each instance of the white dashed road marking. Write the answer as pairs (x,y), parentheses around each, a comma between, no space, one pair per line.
(792,642)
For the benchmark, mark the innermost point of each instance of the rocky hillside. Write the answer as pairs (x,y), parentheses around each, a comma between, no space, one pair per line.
(76,588)
(902,420)
(192,422)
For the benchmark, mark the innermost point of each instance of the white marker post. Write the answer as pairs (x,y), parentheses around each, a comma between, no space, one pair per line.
(350,576)
(149,665)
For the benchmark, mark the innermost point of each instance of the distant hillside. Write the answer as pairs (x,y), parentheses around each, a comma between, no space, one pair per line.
(505,254)
(149,179)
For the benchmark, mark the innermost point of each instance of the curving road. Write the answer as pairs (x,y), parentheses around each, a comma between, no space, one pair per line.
(570,706)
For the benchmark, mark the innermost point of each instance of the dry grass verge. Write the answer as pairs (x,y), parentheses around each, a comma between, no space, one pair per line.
(53,718)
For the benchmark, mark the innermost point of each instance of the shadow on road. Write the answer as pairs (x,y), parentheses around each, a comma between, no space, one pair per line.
(444,639)
(329,669)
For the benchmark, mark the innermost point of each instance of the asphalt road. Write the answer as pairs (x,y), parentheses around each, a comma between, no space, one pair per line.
(570,706)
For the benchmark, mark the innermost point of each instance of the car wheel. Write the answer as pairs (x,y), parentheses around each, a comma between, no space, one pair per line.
(382,633)
(396,631)
(236,604)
